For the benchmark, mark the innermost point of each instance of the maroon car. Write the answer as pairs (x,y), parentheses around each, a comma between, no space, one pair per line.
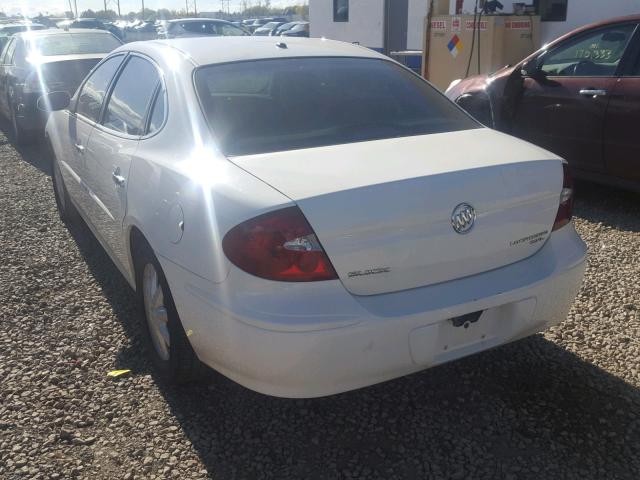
(578,97)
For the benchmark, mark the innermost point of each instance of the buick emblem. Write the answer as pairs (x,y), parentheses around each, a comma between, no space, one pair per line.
(463,218)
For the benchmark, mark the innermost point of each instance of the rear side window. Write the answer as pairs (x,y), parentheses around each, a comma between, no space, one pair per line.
(93,91)
(287,104)
(204,28)
(157,114)
(8,54)
(226,30)
(131,96)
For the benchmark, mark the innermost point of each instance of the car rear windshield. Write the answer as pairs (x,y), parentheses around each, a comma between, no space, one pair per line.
(287,104)
(73,44)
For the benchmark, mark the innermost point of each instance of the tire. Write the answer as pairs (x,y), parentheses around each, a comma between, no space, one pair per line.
(66,209)
(175,362)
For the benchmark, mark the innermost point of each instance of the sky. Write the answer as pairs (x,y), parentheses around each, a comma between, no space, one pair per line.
(33,7)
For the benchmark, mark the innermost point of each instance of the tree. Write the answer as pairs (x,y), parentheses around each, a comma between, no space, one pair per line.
(109,15)
(88,14)
(165,14)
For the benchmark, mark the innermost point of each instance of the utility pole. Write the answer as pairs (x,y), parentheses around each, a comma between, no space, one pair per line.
(143,9)
(118,3)
(70,7)
(75,2)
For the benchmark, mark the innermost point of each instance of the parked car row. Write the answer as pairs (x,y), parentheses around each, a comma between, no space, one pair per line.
(200,27)
(287,29)
(9,29)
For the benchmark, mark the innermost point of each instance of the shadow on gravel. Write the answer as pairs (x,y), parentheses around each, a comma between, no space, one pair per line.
(513,411)
(489,416)
(35,152)
(117,292)
(608,206)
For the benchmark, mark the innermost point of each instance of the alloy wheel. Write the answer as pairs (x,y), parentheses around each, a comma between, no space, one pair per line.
(156,311)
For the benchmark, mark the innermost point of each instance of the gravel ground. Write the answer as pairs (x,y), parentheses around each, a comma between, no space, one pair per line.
(560,405)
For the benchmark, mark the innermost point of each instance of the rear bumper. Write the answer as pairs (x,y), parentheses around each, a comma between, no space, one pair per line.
(310,340)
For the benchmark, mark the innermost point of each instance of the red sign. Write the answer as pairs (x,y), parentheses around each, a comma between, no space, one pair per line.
(439,25)
(456,24)
(469,25)
(518,24)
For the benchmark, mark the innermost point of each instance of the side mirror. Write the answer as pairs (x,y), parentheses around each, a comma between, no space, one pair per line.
(50,102)
(532,67)
(528,67)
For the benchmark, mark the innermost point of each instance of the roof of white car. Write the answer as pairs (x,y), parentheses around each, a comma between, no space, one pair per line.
(208,50)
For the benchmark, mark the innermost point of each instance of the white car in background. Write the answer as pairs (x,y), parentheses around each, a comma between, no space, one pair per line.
(310,217)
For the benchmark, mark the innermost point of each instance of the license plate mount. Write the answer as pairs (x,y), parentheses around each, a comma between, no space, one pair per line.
(466,320)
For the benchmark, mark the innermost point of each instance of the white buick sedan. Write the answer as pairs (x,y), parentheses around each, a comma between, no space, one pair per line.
(310,217)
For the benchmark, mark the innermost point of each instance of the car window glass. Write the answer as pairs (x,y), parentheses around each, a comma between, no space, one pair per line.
(8,59)
(635,71)
(4,44)
(197,27)
(4,40)
(73,44)
(19,55)
(157,115)
(230,30)
(131,96)
(596,54)
(93,91)
(286,104)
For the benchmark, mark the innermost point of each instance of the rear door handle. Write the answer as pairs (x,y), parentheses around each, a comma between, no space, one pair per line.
(593,92)
(78,147)
(117,178)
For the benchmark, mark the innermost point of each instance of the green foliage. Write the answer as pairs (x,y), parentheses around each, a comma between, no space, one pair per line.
(108,15)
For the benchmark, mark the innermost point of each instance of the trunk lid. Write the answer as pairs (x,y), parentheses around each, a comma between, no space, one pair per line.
(383,209)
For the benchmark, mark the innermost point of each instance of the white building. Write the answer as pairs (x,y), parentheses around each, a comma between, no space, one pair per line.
(392,25)
(561,16)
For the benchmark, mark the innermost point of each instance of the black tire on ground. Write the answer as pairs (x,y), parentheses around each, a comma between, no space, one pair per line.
(183,366)
(66,209)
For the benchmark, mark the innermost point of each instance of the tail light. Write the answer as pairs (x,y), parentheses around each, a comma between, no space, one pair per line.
(279,245)
(565,210)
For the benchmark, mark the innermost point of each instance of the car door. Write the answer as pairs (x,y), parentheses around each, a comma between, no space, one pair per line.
(113,144)
(81,122)
(5,74)
(622,122)
(564,100)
